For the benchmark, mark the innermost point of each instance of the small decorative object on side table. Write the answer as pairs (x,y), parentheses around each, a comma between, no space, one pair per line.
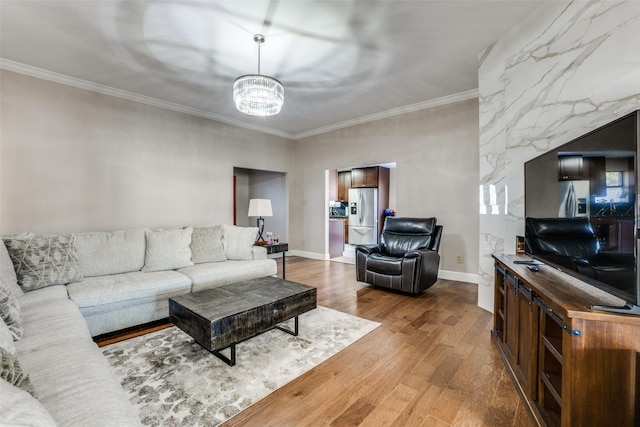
(520,245)
(276,248)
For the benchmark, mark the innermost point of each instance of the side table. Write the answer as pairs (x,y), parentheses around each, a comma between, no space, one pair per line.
(276,248)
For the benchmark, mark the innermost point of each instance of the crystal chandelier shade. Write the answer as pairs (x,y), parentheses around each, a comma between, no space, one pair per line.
(258,95)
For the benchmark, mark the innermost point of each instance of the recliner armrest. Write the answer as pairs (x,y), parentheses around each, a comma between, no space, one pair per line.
(420,253)
(369,249)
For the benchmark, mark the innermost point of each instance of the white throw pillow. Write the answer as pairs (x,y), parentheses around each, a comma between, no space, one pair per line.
(104,253)
(19,408)
(168,249)
(238,242)
(206,244)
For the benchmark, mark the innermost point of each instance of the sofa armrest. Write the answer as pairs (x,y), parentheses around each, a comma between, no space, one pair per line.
(259,252)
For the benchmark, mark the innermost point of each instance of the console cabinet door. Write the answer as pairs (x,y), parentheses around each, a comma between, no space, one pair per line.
(511,319)
(521,334)
(525,363)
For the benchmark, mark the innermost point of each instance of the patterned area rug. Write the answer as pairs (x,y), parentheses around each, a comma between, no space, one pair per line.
(172,381)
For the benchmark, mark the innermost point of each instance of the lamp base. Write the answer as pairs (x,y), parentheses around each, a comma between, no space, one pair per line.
(259,239)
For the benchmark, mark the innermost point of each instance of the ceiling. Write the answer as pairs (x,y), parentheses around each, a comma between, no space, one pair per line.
(341,62)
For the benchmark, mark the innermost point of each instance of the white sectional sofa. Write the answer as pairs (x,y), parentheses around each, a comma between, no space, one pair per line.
(59,291)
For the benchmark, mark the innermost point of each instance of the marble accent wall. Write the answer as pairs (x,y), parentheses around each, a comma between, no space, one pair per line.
(565,70)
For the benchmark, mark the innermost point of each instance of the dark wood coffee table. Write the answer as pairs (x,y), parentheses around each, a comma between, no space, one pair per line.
(219,318)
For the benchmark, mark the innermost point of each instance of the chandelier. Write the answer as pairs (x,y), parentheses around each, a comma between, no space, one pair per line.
(258,95)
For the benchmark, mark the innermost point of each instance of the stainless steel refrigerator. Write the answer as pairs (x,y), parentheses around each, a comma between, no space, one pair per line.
(363,216)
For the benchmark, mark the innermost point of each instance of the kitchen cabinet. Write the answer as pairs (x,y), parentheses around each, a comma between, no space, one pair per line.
(364,177)
(336,238)
(595,170)
(344,184)
(572,366)
(570,167)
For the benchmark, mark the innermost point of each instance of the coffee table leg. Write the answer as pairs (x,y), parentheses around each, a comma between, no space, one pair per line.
(295,330)
(229,361)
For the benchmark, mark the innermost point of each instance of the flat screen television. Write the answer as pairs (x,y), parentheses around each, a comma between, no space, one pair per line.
(594,176)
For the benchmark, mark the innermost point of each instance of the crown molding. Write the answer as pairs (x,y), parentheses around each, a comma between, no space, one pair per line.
(40,73)
(449,99)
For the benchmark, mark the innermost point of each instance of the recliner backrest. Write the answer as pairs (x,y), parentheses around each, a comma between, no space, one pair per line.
(561,236)
(401,235)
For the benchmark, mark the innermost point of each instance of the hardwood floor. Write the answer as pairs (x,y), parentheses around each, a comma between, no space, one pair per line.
(430,363)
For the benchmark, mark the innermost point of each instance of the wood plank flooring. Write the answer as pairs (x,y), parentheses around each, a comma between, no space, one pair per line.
(431,363)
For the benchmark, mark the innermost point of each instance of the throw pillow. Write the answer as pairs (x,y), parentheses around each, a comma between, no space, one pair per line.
(10,313)
(8,277)
(239,241)
(206,245)
(6,338)
(19,408)
(11,372)
(104,253)
(168,249)
(44,261)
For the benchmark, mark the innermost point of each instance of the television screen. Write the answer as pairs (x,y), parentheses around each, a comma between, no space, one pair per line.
(593,177)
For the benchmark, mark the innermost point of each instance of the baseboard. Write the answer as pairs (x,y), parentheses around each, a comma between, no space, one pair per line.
(442,274)
(458,276)
(305,254)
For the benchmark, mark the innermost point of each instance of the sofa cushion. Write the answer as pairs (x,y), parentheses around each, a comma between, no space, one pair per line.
(382,264)
(238,242)
(206,244)
(8,277)
(12,372)
(102,253)
(213,274)
(20,408)
(168,249)
(6,338)
(44,260)
(10,313)
(48,323)
(126,287)
(74,382)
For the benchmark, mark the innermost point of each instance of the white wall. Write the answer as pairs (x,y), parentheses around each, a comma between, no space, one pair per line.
(74,160)
(562,72)
(436,155)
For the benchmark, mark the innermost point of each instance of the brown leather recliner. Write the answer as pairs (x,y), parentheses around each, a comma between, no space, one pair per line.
(406,259)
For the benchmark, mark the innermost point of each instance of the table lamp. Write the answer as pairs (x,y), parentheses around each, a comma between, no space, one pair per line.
(260,208)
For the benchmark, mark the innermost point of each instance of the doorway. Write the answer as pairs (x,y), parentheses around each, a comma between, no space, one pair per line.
(260,184)
(339,247)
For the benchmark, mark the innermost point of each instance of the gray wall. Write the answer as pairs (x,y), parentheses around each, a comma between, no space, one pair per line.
(436,155)
(74,160)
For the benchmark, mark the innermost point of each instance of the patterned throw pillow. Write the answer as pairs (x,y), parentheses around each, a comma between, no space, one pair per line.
(11,372)
(10,313)
(206,244)
(8,277)
(6,338)
(44,261)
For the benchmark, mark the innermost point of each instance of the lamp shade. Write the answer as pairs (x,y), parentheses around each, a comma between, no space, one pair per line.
(260,207)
